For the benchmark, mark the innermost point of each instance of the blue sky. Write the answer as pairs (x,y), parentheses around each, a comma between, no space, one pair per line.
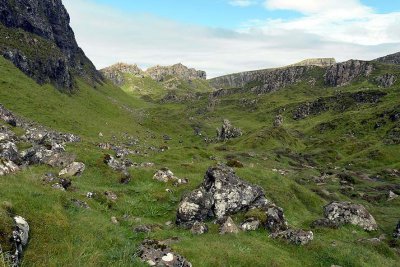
(224,36)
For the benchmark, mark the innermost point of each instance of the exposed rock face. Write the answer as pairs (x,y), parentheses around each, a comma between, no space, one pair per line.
(74,169)
(386,80)
(48,20)
(20,238)
(259,81)
(227,131)
(390,59)
(155,253)
(160,73)
(319,62)
(116,72)
(348,213)
(344,73)
(396,233)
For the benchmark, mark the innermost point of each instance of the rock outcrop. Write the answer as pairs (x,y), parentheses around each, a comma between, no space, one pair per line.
(36,36)
(156,253)
(160,73)
(223,194)
(396,233)
(390,59)
(116,72)
(386,80)
(340,213)
(344,73)
(227,131)
(259,81)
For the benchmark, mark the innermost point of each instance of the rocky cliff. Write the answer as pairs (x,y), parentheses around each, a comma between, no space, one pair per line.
(36,36)
(390,59)
(261,81)
(160,73)
(343,73)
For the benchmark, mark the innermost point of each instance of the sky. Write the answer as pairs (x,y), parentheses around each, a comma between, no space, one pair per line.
(227,36)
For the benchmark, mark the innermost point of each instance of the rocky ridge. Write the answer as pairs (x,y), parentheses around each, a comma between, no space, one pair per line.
(320,62)
(30,27)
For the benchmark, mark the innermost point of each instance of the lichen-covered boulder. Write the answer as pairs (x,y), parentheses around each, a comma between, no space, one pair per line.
(74,169)
(9,151)
(349,213)
(227,131)
(250,224)
(20,237)
(199,228)
(165,175)
(155,253)
(7,166)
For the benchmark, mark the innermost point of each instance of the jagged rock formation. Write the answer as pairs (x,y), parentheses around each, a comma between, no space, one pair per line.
(37,38)
(259,81)
(390,59)
(222,194)
(343,73)
(319,62)
(116,72)
(227,131)
(160,73)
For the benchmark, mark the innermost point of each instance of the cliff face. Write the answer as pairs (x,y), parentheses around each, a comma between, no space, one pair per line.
(261,81)
(343,73)
(37,38)
(160,73)
(390,59)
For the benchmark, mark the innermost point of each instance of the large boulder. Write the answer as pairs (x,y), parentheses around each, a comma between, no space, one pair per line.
(7,166)
(227,131)
(9,151)
(349,213)
(20,239)
(156,253)
(74,169)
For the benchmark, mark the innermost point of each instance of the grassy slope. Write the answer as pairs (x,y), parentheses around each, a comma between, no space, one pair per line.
(65,236)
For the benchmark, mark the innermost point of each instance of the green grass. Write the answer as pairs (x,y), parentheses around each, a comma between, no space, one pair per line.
(63,235)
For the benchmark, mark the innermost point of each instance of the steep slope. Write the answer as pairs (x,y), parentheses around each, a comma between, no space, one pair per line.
(390,59)
(37,38)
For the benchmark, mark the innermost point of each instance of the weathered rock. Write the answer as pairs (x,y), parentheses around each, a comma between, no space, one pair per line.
(298,237)
(199,228)
(147,228)
(278,121)
(9,151)
(250,224)
(7,167)
(60,160)
(49,20)
(227,131)
(117,165)
(165,175)
(344,73)
(20,237)
(392,196)
(159,73)
(386,80)
(228,227)
(74,169)
(348,213)
(116,72)
(111,196)
(396,233)
(390,59)
(155,253)
(80,204)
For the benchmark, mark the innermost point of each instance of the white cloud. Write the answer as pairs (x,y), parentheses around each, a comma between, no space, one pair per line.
(242,3)
(108,36)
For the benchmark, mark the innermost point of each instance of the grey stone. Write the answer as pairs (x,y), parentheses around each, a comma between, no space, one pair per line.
(199,228)
(227,131)
(297,237)
(228,227)
(74,169)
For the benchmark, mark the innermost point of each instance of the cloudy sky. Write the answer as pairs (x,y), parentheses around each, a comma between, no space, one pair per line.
(226,36)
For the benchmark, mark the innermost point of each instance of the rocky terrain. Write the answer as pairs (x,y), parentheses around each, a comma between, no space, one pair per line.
(296,166)
(320,62)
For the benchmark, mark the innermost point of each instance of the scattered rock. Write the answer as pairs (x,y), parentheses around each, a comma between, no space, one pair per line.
(392,196)
(250,224)
(180,182)
(80,204)
(155,253)
(74,169)
(20,237)
(396,233)
(278,122)
(165,175)
(114,220)
(148,228)
(227,131)
(228,227)
(111,196)
(7,167)
(199,228)
(297,237)
(348,213)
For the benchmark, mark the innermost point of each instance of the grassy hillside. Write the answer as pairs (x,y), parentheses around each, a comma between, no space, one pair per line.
(334,141)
